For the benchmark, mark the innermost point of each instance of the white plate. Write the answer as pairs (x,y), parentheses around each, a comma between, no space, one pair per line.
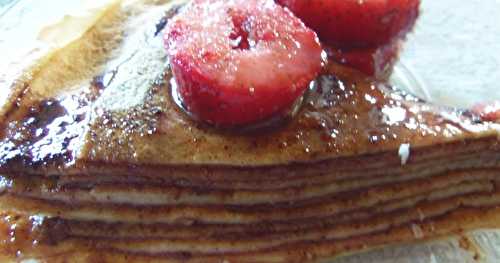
(454,53)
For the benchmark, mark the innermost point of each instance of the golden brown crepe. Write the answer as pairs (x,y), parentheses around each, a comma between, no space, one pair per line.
(98,164)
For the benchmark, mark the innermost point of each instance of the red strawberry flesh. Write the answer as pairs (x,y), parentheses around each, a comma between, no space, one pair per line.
(371,61)
(357,23)
(240,61)
(488,111)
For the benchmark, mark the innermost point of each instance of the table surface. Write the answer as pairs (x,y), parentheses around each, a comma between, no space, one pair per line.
(452,57)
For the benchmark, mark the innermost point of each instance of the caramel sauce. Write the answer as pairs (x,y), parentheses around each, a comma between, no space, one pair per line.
(24,237)
(20,233)
(47,134)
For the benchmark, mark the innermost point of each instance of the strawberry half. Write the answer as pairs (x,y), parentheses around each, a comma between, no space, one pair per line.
(357,23)
(488,111)
(240,61)
(373,61)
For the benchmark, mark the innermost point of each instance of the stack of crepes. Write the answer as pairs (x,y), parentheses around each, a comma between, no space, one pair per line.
(98,164)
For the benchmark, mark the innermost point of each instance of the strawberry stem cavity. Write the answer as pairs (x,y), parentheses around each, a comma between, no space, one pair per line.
(240,33)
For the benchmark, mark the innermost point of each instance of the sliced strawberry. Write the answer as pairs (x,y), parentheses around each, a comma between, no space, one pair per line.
(371,61)
(488,111)
(240,61)
(356,23)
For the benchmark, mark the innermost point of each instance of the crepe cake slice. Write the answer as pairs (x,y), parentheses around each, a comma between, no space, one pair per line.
(104,167)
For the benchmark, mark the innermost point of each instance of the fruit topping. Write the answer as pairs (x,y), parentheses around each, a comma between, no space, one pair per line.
(240,61)
(488,111)
(356,23)
(373,61)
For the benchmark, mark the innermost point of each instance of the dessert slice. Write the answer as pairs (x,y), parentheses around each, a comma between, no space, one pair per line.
(99,164)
